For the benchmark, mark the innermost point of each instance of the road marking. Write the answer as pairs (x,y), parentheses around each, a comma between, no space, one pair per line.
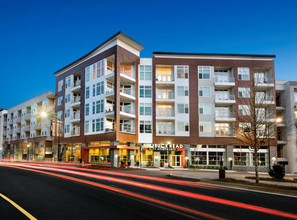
(18,207)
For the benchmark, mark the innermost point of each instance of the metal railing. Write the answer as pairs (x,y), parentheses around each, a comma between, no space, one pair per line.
(76,132)
(165,112)
(224,79)
(109,90)
(77,83)
(165,132)
(223,97)
(128,91)
(165,95)
(109,70)
(109,108)
(125,128)
(127,109)
(75,115)
(75,99)
(224,115)
(165,78)
(262,80)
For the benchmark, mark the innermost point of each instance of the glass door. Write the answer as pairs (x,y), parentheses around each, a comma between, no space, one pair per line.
(175,161)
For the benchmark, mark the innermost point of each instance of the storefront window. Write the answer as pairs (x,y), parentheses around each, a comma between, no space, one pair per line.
(241,159)
(198,158)
(164,156)
(262,159)
(123,153)
(104,156)
(147,157)
(93,155)
(215,158)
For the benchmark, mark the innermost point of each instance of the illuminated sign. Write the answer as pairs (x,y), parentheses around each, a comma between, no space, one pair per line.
(163,146)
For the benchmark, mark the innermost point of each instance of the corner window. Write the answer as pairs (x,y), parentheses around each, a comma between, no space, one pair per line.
(145,72)
(182,72)
(204,72)
(243,73)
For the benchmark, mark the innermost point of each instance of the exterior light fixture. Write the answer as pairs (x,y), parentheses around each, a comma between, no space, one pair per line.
(230,159)
(273,159)
(278,120)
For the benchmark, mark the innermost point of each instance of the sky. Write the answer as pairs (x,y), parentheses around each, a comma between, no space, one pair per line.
(38,37)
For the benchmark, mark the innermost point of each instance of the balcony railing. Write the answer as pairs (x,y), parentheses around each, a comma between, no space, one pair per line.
(165,132)
(75,99)
(165,95)
(127,128)
(165,78)
(224,97)
(128,91)
(76,132)
(109,108)
(224,115)
(109,90)
(127,109)
(224,79)
(165,112)
(109,70)
(75,115)
(77,83)
(129,73)
(109,129)
(262,80)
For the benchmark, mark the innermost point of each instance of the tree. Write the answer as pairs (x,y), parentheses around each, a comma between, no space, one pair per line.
(256,121)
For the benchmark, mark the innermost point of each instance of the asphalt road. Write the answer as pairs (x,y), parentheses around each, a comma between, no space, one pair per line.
(59,192)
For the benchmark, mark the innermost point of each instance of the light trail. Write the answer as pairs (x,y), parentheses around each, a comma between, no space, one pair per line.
(174,191)
(178,182)
(125,192)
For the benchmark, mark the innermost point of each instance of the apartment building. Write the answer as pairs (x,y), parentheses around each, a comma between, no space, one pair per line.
(286,107)
(3,113)
(26,134)
(174,109)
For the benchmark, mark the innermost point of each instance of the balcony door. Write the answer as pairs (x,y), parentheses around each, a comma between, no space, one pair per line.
(165,128)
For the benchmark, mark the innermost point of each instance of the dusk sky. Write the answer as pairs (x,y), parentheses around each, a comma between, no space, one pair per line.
(39,37)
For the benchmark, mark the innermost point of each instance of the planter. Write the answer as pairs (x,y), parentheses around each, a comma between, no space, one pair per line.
(137,164)
(129,163)
(162,164)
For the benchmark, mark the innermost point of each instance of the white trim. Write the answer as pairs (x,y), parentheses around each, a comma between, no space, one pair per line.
(213,57)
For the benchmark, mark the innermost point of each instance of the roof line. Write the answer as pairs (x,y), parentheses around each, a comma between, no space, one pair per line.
(113,36)
(213,54)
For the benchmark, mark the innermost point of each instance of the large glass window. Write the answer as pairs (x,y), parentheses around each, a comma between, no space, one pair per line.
(214,158)
(182,91)
(204,91)
(165,74)
(87,126)
(244,110)
(198,158)
(182,72)
(243,73)
(205,126)
(204,109)
(183,108)
(145,72)
(87,92)
(241,159)
(145,91)
(243,92)
(182,126)
(145,127)
(204,72)
(145,109)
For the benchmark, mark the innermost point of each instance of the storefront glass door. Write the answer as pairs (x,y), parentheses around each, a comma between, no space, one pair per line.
(175,161)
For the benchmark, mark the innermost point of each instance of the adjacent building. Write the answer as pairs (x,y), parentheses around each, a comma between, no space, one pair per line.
(3,114)
(286,106)
(174,109)
(26,134)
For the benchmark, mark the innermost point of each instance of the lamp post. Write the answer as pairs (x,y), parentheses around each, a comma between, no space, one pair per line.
(28,153)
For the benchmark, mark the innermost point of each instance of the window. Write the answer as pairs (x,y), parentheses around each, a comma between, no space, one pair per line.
(183,108)
(244,110)
(243,73)
(204,109)
(241,158)
(68,82)
(93,125)
(145,72)
(67,128)
(204,126)
(100,68)
(87,109)
(204,72)
(204,91)
(67,98)
(87,92)
(198,157)
(145,127)
(93,109)
(182,72)
(245,127)
(98,89)
(88,72)
(182,91)
(67,113)
(262,159)
(102,87)
(243,92)
(60,85)
(183,126)
(223,129)
(94,90)
(100,106)
(295,96)
(60,99)
(59,115)
(87,126)
(99,124)
(145,109)
(145,91)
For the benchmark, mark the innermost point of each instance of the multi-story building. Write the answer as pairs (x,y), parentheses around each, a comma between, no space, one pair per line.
(3,115)
(26,134)
(174,107)
(286,106)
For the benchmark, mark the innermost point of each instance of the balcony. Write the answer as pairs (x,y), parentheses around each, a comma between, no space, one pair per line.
(165,133)
(37,126)
(75,131)
(109,129)
(4,133)
(127,94)
(76,86)
(109,92)
(165,96)
(264,99)
(224,132)
(224,116)
(75,117)
(165,114)
(28,116)
(18,119)
(5,123)
(27,128)
(224,99)
(127,76)
(281,140)
(127,112)
(165,79)
(127,129)
(264,82)
(18,130)
(75,102)
(280,108)
(224,82)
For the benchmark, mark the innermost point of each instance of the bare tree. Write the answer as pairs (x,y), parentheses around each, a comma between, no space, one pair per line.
(256,121)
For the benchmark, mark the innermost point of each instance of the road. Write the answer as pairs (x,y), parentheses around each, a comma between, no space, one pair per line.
(64,192)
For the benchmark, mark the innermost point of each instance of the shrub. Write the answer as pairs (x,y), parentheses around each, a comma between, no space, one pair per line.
(277,171)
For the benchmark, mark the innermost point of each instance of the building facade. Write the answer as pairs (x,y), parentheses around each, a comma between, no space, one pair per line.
(26,134)
(3,114)
(286,124)
(173,109)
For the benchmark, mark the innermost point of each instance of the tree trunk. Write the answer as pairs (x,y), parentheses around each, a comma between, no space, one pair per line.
(256,166)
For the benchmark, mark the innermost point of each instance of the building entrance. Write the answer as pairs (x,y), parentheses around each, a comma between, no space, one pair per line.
(175,160)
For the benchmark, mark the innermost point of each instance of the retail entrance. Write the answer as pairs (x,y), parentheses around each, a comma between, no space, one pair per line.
(175,160)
